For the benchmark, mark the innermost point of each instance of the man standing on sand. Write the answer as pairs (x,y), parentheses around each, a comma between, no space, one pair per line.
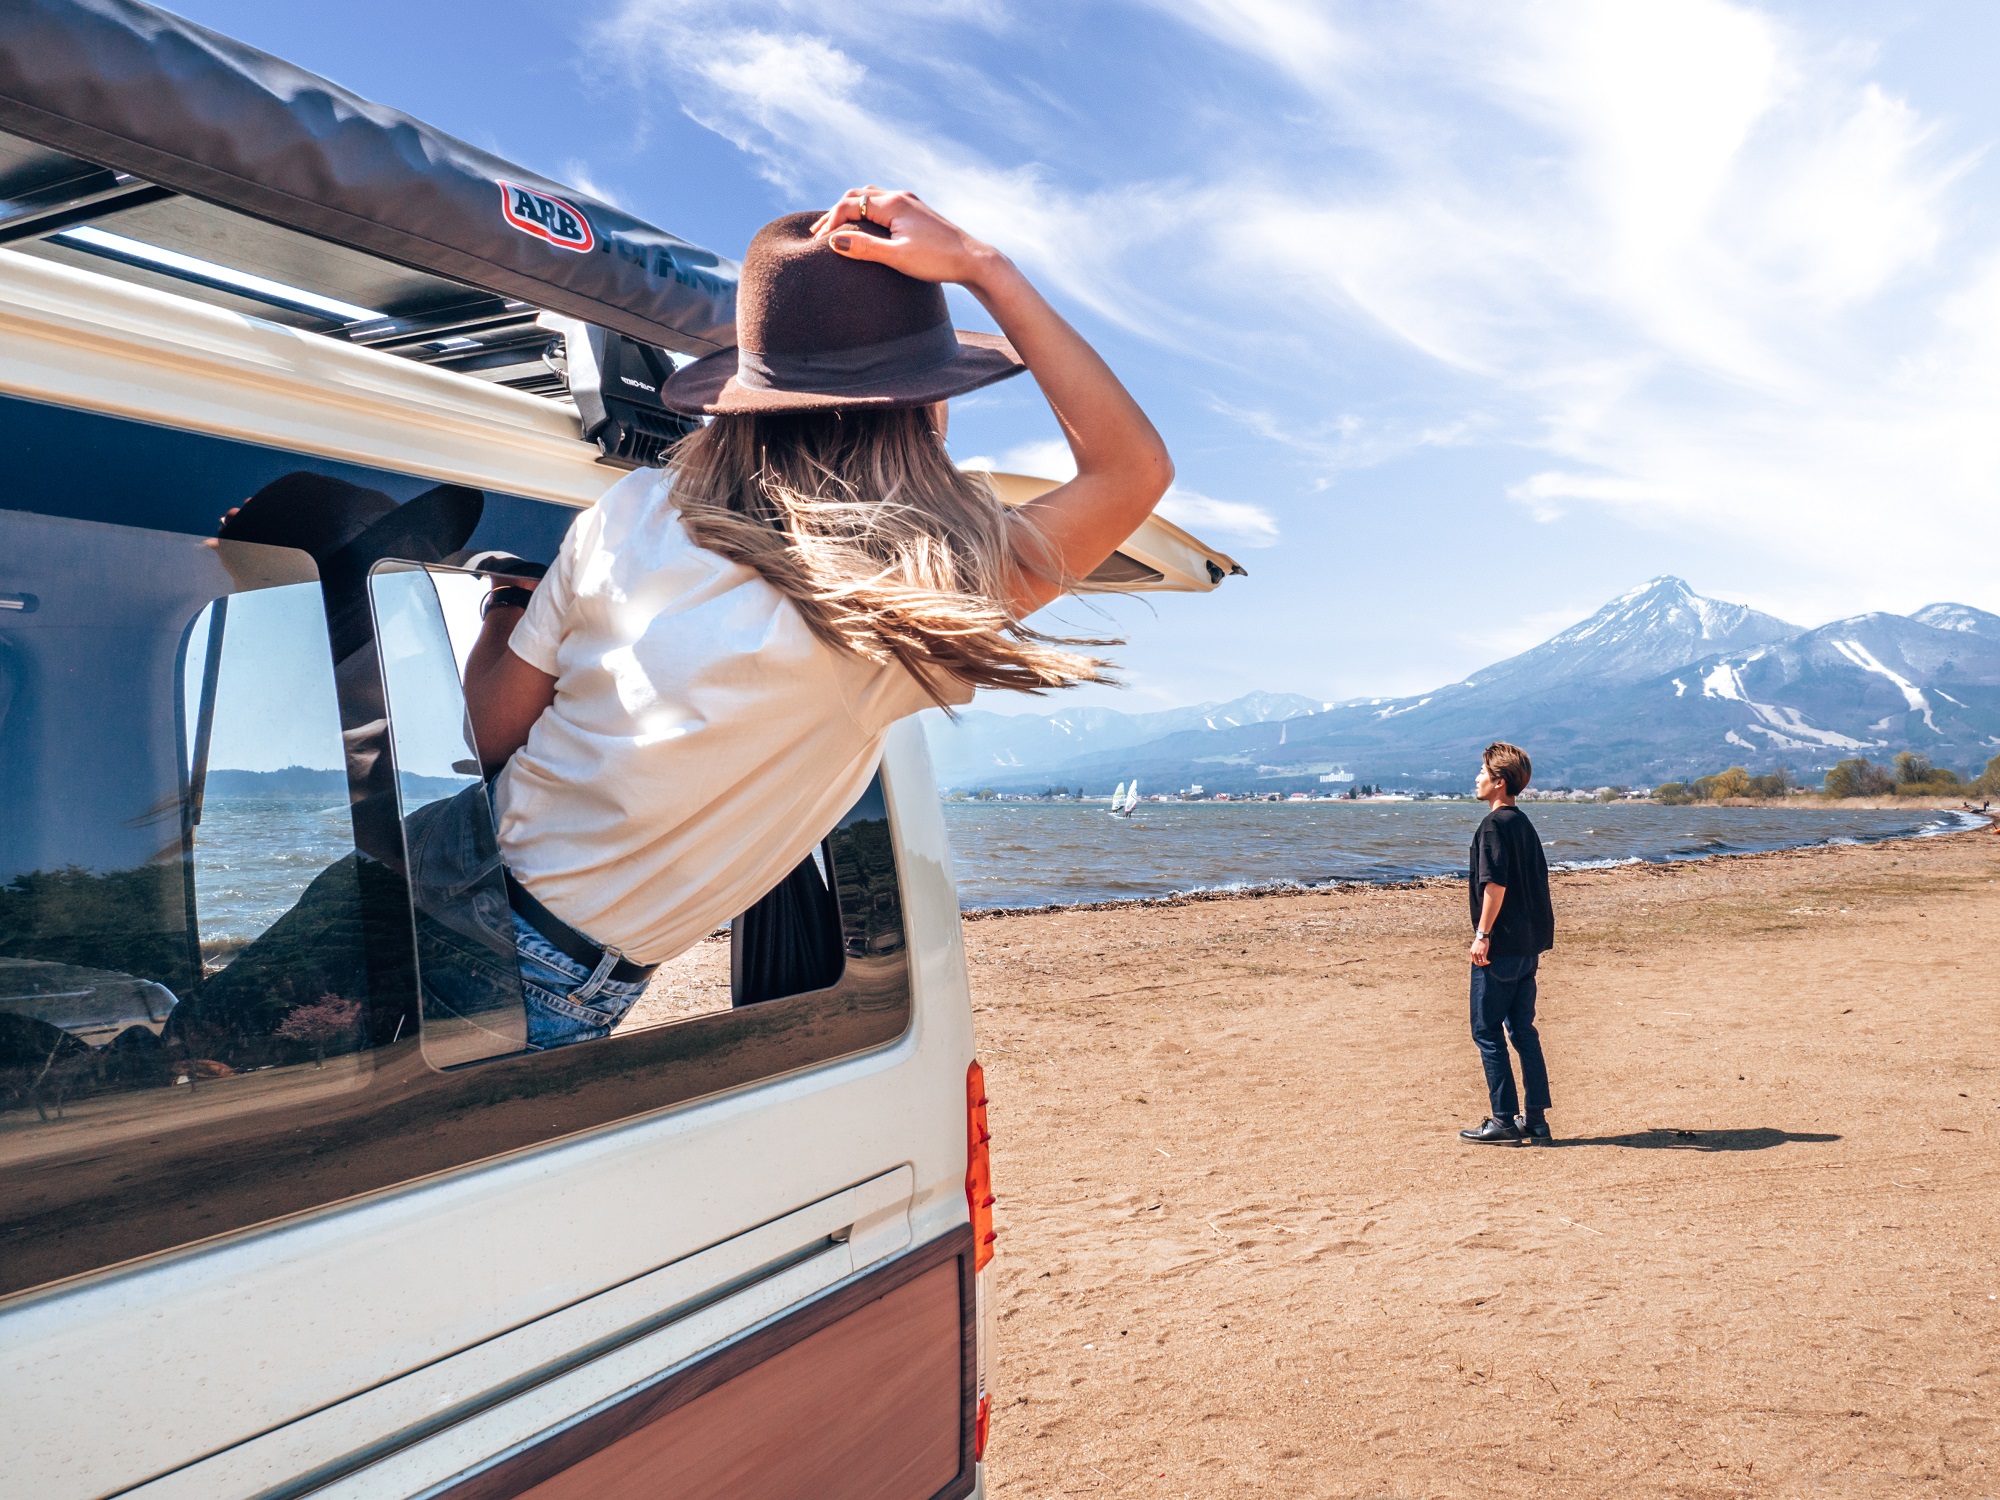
(1513,924)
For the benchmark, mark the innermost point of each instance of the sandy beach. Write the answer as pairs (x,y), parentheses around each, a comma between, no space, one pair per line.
(1244,1253)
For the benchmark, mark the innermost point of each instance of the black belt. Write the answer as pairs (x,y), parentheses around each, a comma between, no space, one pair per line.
(566,939)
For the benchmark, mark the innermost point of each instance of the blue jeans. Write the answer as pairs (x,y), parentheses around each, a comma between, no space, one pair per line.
(1503,1007)
(564,1004)
(481,962)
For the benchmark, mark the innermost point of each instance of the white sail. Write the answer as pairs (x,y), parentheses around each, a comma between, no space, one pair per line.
(1118,797)
(1132,796)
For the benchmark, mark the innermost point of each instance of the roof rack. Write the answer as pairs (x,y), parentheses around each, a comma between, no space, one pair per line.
(138,145)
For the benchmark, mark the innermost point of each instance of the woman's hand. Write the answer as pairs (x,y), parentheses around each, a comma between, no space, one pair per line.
(1122,467)
(922,242)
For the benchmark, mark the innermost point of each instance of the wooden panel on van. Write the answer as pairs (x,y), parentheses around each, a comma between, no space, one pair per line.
(867,1393)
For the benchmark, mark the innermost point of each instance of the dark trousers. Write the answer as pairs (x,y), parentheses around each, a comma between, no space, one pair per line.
(1503,1006)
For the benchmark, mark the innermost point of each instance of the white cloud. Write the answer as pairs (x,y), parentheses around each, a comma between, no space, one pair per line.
(809,110)
(1541,493)
(1698,266)
(1296,36)
(1248,525)
(1348,440)
(1049,459)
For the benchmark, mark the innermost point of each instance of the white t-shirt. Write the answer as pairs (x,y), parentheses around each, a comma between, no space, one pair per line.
(702,739)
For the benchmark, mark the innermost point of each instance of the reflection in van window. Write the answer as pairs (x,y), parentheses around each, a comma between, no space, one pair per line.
(267,793)
(171,781)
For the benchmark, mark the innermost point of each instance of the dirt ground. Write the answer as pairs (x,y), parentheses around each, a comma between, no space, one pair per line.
(1243,1251)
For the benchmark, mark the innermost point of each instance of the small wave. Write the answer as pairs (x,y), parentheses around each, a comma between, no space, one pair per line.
(1607,863)
(1706,849)
(1955,821)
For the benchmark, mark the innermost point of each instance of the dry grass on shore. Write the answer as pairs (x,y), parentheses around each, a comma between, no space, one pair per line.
(1244,1252)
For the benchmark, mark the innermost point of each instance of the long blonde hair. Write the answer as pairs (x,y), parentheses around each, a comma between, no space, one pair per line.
(888,549)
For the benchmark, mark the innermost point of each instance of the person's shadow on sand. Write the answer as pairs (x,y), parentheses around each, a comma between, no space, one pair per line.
(1661,1139)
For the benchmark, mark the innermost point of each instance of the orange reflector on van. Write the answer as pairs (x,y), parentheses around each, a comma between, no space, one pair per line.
(978,1167)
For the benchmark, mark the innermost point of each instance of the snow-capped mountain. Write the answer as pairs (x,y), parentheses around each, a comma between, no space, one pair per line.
(1867,685)
(1660,684)
(1659,625)
(1959,617)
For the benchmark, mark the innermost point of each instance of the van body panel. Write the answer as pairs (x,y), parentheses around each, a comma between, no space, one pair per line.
(73,338)
(194,1352)
(200,1351)
(865,1392)
(676,1309)
(840,1399)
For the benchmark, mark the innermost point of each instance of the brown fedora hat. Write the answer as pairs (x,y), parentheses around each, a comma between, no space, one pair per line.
(816,331)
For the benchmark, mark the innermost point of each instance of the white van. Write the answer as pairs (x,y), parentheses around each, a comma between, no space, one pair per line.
(271,1223)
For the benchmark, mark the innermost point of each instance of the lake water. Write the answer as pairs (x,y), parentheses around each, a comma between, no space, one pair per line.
(254,855)
(1032,853)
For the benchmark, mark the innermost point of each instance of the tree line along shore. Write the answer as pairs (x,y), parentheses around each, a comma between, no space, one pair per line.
(1909,779)
(1910,776)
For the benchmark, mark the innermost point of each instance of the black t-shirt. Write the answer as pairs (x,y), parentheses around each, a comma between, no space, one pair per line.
(1507,852)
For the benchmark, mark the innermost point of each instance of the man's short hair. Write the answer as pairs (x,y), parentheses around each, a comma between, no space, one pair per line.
(1511,764)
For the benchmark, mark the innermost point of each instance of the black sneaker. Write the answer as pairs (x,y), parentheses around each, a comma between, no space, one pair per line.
(1494,1133)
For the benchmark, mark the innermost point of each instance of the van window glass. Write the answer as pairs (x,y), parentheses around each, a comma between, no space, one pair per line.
(267,787)
(171,780)
(472,1006)
(836,919)
(210,1006)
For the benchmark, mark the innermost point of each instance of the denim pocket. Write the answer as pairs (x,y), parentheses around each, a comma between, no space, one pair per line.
(549,980)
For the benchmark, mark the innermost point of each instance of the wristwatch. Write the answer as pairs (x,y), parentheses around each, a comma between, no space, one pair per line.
(1480,937)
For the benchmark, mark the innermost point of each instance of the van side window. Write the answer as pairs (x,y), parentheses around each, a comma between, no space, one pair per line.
(174,793)
(834,922)
(213,756)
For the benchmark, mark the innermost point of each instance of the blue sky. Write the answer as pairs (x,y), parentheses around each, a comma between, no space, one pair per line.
(1459,318)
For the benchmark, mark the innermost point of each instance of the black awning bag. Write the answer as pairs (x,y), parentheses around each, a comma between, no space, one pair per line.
(138,90)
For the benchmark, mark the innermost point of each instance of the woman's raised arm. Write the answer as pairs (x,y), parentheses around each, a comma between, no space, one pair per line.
(1122,467)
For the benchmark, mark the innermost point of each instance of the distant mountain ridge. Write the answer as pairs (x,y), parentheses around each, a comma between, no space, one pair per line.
(1660,684)
(314,783)
(985,744)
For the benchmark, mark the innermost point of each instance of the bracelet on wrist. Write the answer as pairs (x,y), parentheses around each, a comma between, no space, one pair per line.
(512,596)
